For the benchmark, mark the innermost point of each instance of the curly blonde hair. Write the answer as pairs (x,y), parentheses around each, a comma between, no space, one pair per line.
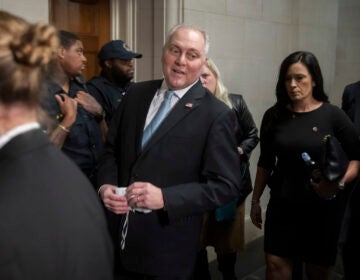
(221,91)
(25,51)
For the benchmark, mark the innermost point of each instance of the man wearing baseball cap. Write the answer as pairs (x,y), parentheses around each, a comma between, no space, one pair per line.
(117,71)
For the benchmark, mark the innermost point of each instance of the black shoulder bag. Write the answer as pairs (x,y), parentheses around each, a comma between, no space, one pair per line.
(334,159)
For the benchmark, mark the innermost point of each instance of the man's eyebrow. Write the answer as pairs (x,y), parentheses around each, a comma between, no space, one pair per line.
(194,50)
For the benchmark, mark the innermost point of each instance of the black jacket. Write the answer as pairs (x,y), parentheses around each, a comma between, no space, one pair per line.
(247,138)
(52,224)
(247,132)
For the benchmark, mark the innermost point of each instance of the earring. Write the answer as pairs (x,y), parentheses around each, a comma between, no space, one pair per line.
(313,84)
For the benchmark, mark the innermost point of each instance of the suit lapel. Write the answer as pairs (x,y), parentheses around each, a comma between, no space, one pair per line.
(187,104)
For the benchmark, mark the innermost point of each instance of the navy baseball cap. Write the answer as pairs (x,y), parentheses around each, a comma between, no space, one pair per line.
(117,49)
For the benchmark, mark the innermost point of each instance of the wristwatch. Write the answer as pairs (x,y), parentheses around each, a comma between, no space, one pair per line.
(101,117)
(341,185)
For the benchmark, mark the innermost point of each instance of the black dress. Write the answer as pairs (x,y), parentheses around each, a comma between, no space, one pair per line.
(300,225)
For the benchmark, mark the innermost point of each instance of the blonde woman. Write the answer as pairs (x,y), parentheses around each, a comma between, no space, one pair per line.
(51,222)
(224,228)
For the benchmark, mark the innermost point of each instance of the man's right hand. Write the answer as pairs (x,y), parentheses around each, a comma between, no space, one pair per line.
(255,214)
(113,202)
(68,107)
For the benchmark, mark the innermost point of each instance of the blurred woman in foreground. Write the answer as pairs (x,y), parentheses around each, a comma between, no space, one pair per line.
(51,222)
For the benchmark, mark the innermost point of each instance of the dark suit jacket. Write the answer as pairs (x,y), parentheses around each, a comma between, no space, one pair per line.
(52,225)
(349,237)
(351,103)
(192,157)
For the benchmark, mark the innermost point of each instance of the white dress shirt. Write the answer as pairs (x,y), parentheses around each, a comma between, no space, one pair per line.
(6,137)
(159,98)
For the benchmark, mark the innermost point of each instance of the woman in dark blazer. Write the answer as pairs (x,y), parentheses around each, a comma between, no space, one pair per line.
(52,225)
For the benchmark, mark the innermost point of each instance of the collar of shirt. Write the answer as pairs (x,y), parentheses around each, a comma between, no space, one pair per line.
(5,138)
(179,93)
(159,97)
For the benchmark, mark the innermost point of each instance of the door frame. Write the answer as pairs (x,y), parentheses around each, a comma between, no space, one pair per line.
(124,23)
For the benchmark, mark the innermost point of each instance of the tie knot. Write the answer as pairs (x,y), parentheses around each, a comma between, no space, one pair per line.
(169,94)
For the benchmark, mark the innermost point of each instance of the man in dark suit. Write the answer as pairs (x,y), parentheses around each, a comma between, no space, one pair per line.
(351,103)
(189,165)
(351,233)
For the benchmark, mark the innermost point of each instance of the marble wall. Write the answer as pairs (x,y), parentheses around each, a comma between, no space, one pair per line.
(31,10)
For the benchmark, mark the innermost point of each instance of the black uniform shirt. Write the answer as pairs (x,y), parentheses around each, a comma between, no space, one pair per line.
(83,143)
(108,94)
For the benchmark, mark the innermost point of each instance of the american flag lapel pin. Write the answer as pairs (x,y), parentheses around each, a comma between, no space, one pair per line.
(188,105)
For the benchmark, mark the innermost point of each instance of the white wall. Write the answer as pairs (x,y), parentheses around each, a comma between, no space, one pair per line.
(31,10)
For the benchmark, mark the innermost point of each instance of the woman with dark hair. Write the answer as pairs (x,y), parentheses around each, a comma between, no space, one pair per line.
(313,67)
(303,217)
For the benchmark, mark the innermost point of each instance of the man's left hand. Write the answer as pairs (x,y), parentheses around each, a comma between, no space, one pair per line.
(145,195)
(89,103)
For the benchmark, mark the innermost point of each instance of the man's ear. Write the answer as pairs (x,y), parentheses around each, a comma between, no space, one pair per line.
(61,52)
(108,64)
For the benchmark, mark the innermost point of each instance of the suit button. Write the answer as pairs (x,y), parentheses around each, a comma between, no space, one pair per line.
(134,176)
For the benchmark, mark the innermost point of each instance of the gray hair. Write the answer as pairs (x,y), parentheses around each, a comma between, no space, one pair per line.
(192,27)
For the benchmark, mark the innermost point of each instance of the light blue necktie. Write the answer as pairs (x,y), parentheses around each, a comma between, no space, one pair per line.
(158,118)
